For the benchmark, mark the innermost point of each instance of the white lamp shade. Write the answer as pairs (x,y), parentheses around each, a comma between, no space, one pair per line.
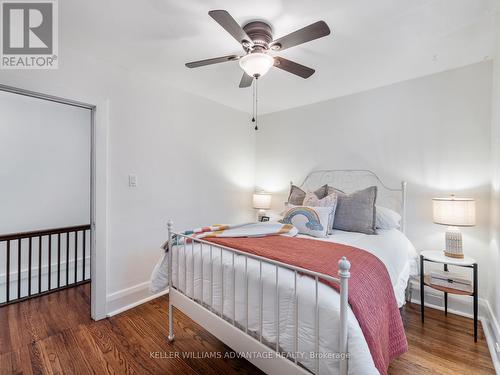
(256,64)
(456,212)
(262,201)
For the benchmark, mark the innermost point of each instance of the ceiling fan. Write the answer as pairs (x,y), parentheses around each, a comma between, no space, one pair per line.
(256,38)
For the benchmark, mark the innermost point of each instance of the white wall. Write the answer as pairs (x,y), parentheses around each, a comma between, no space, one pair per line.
(433,132)
(494,297)
(45,169)
(194,160)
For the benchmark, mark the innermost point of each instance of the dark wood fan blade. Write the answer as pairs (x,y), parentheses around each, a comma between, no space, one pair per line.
(293,67)
(216,60)
(246,80)
(314,31)
(223,18)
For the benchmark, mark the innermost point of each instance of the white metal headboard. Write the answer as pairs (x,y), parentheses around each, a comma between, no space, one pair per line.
(350,180)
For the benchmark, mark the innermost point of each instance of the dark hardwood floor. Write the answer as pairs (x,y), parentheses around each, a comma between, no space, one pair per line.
(53,334)
(442,345)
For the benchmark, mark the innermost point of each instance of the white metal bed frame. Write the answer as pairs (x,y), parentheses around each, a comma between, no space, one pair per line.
(238,338)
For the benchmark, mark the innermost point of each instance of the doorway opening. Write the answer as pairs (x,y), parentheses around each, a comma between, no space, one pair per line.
(48,193)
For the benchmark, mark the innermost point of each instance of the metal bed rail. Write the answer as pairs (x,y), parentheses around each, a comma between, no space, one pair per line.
(185,242)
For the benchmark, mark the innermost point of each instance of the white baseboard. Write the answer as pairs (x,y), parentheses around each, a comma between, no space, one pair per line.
(492,334)
(460,306)
(45,270)
(128,298)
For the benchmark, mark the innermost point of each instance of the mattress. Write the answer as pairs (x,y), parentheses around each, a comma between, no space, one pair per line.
(196,267)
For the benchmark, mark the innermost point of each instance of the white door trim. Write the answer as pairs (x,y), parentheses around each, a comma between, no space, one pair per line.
(98,195)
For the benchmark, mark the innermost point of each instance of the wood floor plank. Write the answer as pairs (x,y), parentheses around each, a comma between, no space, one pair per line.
(54,334)
(17,362)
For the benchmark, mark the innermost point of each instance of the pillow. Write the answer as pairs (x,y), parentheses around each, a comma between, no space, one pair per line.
(387,218)
(309,220)
(330,200)
(356,212)
(297,195)
(331,190)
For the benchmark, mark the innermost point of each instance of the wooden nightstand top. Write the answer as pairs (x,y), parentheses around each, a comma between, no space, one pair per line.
(438,256)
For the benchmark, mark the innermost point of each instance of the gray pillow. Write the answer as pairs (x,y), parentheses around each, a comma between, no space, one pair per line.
(297,195)
(331,190)
(356,212)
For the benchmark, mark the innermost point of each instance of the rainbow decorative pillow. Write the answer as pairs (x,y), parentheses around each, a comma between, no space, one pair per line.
(312,221)
(330,200)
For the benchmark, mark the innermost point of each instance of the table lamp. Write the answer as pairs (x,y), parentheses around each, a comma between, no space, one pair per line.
(261,202)
(454,212)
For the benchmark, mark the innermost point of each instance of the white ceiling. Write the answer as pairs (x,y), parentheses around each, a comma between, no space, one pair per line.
(373,43)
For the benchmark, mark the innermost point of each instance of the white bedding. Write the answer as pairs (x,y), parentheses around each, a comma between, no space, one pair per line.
(391,246)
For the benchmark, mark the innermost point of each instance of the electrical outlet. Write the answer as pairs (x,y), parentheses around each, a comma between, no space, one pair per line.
(497,347)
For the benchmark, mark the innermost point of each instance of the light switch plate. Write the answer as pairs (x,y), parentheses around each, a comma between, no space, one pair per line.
(132,180)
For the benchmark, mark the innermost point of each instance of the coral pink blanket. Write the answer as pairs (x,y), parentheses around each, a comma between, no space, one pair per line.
(371,295)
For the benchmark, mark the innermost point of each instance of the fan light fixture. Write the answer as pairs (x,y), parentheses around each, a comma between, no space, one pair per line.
(256,64)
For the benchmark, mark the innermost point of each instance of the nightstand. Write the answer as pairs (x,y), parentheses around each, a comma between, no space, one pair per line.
(439,257)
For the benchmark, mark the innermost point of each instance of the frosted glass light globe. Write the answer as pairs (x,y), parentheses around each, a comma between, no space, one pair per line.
(256,64)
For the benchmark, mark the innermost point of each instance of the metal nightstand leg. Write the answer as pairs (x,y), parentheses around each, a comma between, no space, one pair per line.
(475,301)
(422,287)
(446,296)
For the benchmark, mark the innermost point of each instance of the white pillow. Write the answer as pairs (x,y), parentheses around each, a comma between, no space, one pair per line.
(330,200)
(387,218)
(313,221)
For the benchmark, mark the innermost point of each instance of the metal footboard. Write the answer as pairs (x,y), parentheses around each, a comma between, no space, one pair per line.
(187,303)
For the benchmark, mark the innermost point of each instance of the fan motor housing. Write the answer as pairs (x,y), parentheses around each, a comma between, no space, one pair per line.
(260,32)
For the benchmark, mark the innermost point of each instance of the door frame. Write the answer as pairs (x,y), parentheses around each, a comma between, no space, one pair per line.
(98,194)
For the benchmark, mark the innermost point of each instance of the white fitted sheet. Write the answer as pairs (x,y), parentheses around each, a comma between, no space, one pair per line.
(391,246)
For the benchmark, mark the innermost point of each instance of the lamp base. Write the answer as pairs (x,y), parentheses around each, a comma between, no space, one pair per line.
(453,255)
(260,214)
(454,245)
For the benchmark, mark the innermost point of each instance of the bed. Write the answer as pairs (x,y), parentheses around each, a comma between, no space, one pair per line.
(279,315)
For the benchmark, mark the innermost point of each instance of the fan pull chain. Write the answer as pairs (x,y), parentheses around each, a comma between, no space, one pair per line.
(253,102)
(256,102)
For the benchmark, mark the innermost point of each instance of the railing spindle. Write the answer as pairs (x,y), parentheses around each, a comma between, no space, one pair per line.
(83,256)
(49,261)
(67,258)
(8,272)
(30,254)
(19,268)
(58,260)
(39,264)
(76,256)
